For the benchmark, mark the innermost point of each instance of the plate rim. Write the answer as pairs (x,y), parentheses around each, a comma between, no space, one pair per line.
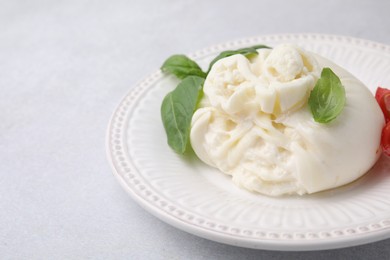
(269,242)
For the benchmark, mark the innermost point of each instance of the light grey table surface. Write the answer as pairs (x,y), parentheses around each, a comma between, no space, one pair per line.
(65,65)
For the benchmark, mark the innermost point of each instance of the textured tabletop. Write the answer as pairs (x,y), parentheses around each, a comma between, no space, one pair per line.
(65,65)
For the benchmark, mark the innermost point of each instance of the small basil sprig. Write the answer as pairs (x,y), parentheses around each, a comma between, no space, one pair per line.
(179,105)
(327,99)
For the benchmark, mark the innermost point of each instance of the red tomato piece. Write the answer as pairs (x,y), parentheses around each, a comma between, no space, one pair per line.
(380,92)
(386,106)
(385,139)
(382,96)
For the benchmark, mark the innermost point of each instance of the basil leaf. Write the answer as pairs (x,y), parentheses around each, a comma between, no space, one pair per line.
(327,99)
(182,66)
(247,52)
(177,109)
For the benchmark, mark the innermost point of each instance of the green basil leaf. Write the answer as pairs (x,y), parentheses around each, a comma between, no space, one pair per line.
(182,66)
(177,109)
(247,52)
(327,99)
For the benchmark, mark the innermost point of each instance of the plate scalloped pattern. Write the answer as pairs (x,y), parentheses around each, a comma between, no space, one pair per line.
(197,199)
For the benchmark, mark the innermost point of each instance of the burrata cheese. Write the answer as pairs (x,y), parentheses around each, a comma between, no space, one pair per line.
(254,124)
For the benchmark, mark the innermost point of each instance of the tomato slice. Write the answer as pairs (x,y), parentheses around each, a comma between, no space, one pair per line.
(385,139)
(382,96)
(386,106)
(380,92)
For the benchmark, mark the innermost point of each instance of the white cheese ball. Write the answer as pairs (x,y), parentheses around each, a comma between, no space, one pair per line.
(255,124)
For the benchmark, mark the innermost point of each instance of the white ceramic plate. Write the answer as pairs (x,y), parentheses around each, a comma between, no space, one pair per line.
(191,196)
